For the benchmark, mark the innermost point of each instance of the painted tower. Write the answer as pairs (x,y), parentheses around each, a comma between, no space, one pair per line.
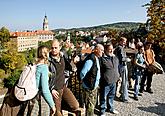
(45,24)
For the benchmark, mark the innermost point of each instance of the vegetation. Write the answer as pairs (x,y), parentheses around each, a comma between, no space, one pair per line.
(12,62)
(117,26)
(156,20)
(4,36)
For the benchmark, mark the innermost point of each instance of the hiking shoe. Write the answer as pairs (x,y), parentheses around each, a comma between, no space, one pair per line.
(149,91)
(141,90)
(136,98)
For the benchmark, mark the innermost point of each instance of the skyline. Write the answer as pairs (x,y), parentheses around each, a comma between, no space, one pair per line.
(29,14)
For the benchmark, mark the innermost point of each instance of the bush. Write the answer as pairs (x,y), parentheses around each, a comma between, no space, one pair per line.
(11,80)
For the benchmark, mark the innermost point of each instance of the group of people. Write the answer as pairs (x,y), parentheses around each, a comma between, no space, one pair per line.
(101,72)
(109,66)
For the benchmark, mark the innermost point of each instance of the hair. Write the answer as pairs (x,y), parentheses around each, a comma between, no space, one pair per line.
(56,40)
(140,47)
(123,38)
(107,45)
(42,53)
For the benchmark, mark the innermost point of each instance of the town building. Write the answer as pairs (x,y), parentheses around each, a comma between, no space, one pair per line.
(29,39)
(25,40)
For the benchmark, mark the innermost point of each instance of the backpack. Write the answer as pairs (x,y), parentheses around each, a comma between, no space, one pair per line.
(26,87)
(90,78)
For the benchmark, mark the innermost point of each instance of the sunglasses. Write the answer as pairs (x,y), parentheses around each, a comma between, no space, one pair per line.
(53,47)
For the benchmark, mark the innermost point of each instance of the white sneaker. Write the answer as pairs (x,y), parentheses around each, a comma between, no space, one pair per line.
(114,112)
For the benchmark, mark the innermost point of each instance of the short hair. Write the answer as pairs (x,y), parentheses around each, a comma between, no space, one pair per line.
(139,47)
(107,45)
(123,38)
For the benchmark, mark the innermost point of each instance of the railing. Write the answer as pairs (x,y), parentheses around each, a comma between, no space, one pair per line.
(76,87)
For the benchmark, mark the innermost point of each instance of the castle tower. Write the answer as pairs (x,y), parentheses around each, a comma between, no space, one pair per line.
(45,24)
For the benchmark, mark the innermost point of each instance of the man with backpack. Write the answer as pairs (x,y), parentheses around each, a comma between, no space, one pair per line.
(57,65)
(90,76)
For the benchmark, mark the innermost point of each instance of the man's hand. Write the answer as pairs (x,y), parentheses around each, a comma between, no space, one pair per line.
(55,94)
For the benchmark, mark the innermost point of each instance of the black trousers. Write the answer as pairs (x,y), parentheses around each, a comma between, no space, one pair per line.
(146,77)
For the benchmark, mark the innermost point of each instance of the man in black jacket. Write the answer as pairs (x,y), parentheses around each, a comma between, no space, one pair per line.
(57,65)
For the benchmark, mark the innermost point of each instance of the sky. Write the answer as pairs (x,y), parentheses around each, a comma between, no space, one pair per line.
(29,14)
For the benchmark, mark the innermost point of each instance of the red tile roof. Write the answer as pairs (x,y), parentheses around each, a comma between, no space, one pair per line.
(31,33)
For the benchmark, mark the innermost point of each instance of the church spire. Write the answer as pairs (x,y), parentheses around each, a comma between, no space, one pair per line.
(45,23)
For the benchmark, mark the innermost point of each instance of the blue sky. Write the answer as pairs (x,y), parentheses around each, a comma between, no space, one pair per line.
(29,14)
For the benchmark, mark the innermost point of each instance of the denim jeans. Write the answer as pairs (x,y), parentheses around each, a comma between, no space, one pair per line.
(107,94)
(138,75)
(124,84)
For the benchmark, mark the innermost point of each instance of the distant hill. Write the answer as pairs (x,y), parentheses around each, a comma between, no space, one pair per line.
(117,26)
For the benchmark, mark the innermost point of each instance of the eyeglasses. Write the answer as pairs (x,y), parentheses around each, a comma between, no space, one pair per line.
(53,47)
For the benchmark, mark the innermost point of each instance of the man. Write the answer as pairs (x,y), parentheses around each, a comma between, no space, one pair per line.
(121,55)
(109,76)
(57,65)
(90,76)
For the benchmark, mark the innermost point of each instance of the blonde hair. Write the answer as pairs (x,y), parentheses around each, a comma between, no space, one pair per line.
(42,53)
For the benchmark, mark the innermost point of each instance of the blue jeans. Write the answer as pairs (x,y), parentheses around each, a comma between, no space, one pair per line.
(124,84)
(136,86)
(138,75)
(107,94)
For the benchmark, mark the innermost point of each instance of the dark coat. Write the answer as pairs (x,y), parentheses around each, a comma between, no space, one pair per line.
(109,70)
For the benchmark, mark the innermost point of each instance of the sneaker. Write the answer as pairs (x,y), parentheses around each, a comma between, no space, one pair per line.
(114,112)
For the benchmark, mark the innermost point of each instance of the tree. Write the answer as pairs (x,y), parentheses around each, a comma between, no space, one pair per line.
(4,36)
(31,55)
(156,20)
(11,59)
(47,44)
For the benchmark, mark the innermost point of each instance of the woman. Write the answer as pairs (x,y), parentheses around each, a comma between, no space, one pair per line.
(139,70)
(148,74)
(44,97)
(38,106)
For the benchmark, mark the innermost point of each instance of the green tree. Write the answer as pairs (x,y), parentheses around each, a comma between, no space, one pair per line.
(156,20)
(11,59)
(47,44)
(4,36)
(31,55)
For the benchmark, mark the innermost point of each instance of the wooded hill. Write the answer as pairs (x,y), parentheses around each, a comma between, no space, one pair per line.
(117,26)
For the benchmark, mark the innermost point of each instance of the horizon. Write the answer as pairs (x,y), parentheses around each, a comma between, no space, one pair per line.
(29,15)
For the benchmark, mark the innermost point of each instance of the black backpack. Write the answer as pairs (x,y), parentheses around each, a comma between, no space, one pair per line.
(90,78)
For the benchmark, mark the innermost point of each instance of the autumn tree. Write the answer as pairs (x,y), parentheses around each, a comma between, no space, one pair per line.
(156,20)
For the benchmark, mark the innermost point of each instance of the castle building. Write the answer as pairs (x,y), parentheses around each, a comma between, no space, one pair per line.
(45,34)
(45,24)
(25,40)
(29,39)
